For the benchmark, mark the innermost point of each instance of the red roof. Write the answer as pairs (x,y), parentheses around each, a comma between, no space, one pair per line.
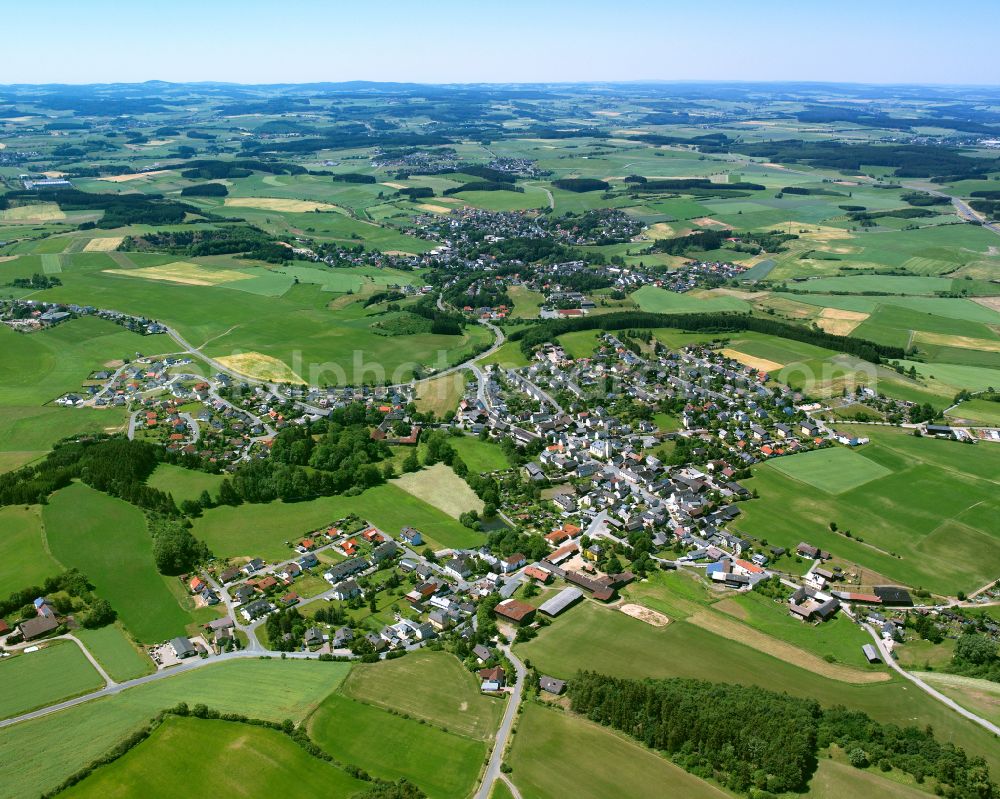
(514,609)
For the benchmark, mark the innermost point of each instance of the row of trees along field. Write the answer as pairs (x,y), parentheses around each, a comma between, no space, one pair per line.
(538,334)
(762,743)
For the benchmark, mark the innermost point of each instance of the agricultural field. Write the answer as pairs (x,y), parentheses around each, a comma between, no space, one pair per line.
(57,671)
(225,754)
(262,530)
(40,367)
(433,686)
(546,761)
(24,556)
(183,483)
(442,394)
(116,653)
(107,540)
(441,488)
(833,470)
(442,763)
(602,640)
(922,513)
(657,300)
(51,748)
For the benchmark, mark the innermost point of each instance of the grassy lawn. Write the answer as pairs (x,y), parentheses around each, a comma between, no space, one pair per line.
(479,456)
(58,671)
(442,763)
(439,486)
(184,483)
(49,749)
(24,559)
(834,470)
(116,653)
(108,541)
(226,755)
(261,530)
(547,762)
(929,522)
(433,686)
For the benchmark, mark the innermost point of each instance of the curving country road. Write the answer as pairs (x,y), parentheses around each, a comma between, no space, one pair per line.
(493,772)
(891,661)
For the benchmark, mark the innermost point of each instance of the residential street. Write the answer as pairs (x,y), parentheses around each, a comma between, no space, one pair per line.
(493,772)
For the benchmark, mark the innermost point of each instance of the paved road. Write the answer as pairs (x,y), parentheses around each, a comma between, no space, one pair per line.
(185,666)
(888,658)
(493,772)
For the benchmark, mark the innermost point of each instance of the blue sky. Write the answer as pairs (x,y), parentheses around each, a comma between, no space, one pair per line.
(443,41)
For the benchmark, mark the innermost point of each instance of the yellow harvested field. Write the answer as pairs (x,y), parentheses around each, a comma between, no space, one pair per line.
(435,209)
(280,205)
(741,633)
(54,173)
(839,322)
(158,142)
(439,486)
(260,367)
(811,231)
(135,176)
(760,364)
(961,342)
(707,221)
(395,185)
(3,146)
(184,274)
(40,212)
(989,302)
(399,252)
(106,244)
(661,230)
(653,617)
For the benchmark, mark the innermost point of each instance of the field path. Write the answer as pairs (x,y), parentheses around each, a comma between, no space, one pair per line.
(989,726)
(493,772)
(744,634)
(93,661)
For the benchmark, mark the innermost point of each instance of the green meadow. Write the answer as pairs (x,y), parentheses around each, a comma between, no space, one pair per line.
(600,639)
(24,557)
(929,521)
(227,755)
(479,456)
(38,368)
(59,670)
(834,470)
(443,764)
(433,686)
(657,300)
(298,327)
(116,653)
(184,483)
(51,748)
(547,762)
(107,540)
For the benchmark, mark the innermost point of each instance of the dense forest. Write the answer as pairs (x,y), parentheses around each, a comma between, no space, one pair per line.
(909,160)
(762,743)
(242,239)
(581,185)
